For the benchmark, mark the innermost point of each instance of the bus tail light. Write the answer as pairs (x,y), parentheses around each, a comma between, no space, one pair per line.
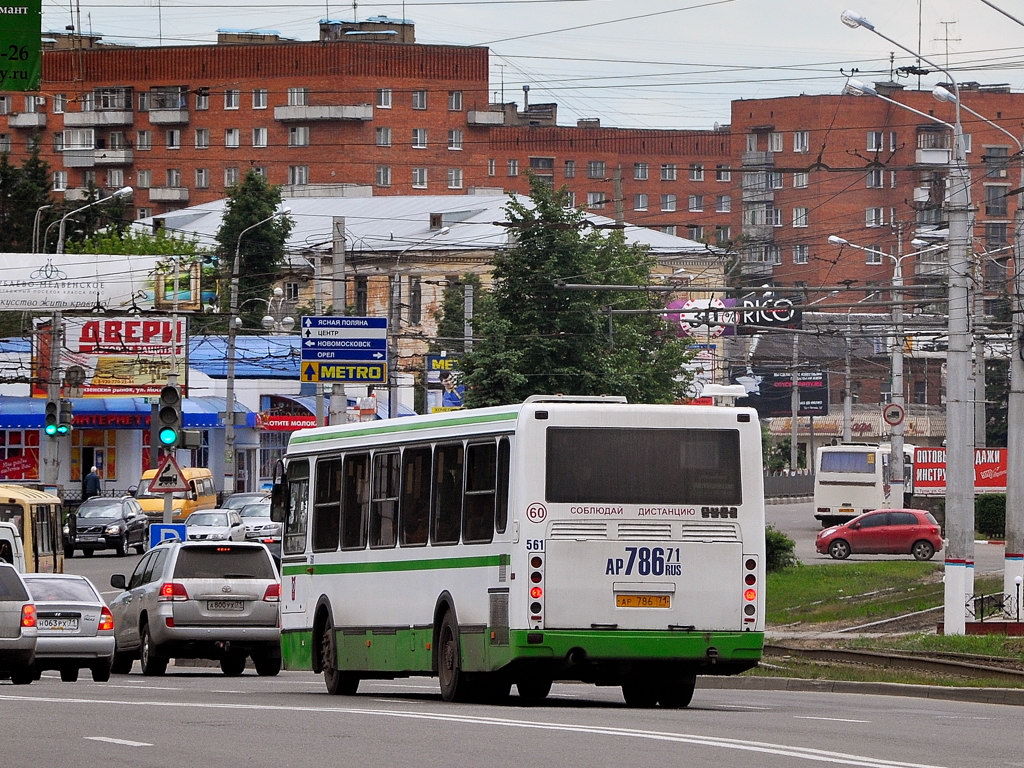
(28,616)
(536,589)
(273,594)
(750,590)
(172,591)
(106,620)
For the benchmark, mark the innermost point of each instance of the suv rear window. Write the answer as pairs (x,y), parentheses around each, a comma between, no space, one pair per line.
(225,561)
(11,585)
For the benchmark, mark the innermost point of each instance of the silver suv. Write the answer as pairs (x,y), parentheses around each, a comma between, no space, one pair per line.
(199,600)
(17,628)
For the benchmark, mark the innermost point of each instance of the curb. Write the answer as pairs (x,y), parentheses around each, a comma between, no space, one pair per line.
(1009,696)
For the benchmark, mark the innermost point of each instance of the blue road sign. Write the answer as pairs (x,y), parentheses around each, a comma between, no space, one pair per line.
(369,324)
(355,356)
(349,372)
(161,532)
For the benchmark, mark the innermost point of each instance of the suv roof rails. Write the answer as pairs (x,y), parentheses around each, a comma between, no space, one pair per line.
(574,399)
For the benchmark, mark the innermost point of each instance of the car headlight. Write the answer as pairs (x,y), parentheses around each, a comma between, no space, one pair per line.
(273,528)
(67,530)
(112,530)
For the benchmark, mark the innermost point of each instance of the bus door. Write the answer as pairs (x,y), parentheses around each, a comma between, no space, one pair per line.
(645,584)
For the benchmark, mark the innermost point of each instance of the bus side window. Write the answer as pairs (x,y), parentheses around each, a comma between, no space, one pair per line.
(297,500)
(414,512)
(447,503)
(501,492)
(384,502)
(327,505)
(355,501)
(478,517)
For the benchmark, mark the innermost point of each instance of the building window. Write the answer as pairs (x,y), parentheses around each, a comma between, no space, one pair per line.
(723,173)
(696,202)
(384,98)
(801,180)
(202,138)
(454,101)
(876,141)
(143,213)
(874,217)
(202,178)
(570,169)
(259,137)
(115,178)
(775,180)
(773,216)
(723,203)
(800,254)
(143,179)
(668,202)
(694,232)
(60,181)
(203,99)
(455,139)
(722,235)
(419,138)
(419,99)
(298,174)
(640,171)
(800,217)
(454,178)
(419,178)
(89,178)
(751,142)
(5,142)
(996,236)
(60,103)
(513,167)
(230,176)
(173,177)
(875,178)
(383,176)
(173,138)
(259,98)
(874,256)
(995,200)
(595,200)
(774,142)
(144,101)
(298,97)
(231,98)
(492,167)
(298,136)
(232,138)
(570,198)
(696,172)
(259,170)
(995,159)
(144,140)
(595,169)
(640,202)
(801,141)
(668,229)
(668,172)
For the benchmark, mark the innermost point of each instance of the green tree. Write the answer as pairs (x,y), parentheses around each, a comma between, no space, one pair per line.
(261,249)
(531,336)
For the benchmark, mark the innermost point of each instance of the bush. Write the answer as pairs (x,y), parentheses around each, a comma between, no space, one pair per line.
(779,550)
(990,514)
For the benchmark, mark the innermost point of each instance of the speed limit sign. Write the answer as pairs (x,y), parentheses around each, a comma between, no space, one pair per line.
(893,414)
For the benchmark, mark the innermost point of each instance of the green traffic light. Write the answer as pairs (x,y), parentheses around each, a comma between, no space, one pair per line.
(51,430)
(168,436)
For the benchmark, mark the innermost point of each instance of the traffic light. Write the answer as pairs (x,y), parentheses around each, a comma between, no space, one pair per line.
(52,418)
(169,417)
(65,420)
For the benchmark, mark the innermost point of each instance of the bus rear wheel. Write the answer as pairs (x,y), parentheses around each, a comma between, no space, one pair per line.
(455,686)
(677,692)
(533,690)
(640,693)
(338,683)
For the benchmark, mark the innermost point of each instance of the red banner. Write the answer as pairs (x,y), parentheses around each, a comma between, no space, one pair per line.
(930,470)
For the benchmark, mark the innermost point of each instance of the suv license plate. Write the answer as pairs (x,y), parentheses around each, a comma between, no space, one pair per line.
(643,601)
(224,605)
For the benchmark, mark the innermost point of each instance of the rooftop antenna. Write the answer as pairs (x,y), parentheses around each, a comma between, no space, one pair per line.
(947,38)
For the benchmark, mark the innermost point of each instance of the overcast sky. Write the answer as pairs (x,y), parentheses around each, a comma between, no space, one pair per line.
(639,64)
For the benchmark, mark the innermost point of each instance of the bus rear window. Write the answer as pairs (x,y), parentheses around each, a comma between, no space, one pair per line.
(846,461)
(616,466)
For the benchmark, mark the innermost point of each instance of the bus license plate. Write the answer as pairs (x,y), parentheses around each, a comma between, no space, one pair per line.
(58,625)
(643,601)
(224,605)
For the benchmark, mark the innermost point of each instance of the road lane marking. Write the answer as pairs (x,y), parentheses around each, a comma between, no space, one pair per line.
(122,742)
(809,754)
(831,719)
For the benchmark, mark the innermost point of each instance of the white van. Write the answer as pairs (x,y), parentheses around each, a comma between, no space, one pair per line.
(11,549)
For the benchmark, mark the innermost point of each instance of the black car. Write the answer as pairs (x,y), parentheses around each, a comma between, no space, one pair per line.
(107,523)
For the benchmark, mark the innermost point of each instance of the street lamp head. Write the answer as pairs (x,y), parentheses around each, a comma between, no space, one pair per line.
(287,323)
(1018,580)
(123,191)
(836,240)
(942,94)
(855,87)
(852,19)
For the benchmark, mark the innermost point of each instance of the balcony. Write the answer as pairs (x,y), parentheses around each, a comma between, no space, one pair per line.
(933,156)
(485,117)
(339,112)
(98,118)
(78,158)
(168,116)
(168,194)
(758,159)
(756,269)
(114,156)
(75,194)
(27,120)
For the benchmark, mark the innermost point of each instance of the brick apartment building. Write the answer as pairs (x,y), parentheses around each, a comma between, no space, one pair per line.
(367,110)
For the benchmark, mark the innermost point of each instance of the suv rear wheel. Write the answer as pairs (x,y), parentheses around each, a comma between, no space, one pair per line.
(153,663)
(233,664)
(267,665)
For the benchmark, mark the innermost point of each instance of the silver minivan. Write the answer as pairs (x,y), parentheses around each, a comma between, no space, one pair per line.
(199,600)
(18,629)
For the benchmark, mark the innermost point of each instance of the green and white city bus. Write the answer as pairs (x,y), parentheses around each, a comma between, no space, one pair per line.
(565,538)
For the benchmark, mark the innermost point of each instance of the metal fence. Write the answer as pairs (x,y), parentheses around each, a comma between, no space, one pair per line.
(780,486)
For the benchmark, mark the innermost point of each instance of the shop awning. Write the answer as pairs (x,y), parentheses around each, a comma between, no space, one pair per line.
(116,412)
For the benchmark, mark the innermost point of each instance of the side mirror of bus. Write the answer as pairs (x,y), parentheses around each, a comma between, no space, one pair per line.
(277,511)
(117,581)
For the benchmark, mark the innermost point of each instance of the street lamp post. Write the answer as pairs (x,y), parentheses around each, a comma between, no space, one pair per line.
(63,222)
(229,394)
(959,561)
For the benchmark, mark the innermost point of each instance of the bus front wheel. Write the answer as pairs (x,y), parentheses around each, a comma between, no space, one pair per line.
(338,683)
